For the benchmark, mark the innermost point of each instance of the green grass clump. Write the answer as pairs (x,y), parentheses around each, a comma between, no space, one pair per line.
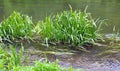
(44,66)
(51,66)
(9,60)
(16,26)
(73,27)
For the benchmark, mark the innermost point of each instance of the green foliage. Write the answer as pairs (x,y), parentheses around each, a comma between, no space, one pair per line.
(23,68)
(4,59)
(1,60)
(50,66)
(16,26)
(44,66)
(16,58)
(74,27)
(12,61)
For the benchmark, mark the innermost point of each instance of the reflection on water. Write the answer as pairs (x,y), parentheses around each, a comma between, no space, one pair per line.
(39,9)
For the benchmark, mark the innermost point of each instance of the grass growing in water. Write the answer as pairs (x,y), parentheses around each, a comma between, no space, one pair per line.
(13,62)
(9,60)
(16,26)
(44,66)
(73,27)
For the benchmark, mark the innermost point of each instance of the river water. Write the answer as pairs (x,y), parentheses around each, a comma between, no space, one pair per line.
(39,9)
(89,61)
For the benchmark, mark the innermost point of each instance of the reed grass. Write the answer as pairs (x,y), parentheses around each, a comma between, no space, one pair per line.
(73,27)
(16,26)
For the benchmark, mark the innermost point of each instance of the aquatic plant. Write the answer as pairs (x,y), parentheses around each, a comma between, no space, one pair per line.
(47,66)
(12,61)
(115,36)
(16,26)
(44,66)
(73,27)
(16,58)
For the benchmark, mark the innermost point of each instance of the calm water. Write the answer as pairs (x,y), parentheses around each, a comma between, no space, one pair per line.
(39,9)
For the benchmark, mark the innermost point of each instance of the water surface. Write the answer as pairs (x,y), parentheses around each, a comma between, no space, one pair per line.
(39,9)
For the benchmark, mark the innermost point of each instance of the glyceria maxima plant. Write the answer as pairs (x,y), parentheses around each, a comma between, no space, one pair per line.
(16,26)
(73,27)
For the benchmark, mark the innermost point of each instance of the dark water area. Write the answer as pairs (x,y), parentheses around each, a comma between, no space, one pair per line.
(39,9)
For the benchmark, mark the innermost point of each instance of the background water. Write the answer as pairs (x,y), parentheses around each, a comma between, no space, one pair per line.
(39,9)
